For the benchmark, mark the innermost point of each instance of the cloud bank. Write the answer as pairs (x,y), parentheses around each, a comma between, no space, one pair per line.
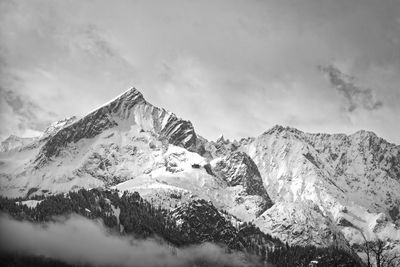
(77,240)
(230,66)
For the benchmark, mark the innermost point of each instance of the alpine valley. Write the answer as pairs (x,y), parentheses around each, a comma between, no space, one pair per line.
(145,171)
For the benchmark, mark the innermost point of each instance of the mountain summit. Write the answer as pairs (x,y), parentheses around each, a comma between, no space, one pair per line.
(128,109)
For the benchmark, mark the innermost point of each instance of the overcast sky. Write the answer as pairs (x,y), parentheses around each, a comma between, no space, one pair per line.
(231,67)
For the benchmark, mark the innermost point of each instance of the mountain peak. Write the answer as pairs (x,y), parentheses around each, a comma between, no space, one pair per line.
(221,139)
(363,134)
(129,109)
(279,129)
(125,100)
(131,93)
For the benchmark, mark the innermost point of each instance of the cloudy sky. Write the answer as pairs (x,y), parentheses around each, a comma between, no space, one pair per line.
(234,67)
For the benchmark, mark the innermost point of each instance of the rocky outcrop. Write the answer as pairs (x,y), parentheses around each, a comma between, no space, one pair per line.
(238,168)
(221,147)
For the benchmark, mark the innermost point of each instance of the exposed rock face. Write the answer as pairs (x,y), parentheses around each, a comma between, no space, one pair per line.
(200,221)
(128,109)
(341,221)
(238,168)
(221,147)
(376,156)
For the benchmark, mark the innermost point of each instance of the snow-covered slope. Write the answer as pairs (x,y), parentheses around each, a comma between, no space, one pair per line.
(179,176)
(353,179)
(300,223)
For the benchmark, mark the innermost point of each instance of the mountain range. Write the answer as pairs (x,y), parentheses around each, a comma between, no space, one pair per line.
(301,188)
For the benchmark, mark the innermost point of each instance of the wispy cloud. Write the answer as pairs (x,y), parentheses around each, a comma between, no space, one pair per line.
(78,240)
(47,60)
(20,116)
(355,96)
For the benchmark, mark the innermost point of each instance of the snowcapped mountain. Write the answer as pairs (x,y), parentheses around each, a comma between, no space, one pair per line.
(352,179)
(134,146)
(126,111)
(303,188)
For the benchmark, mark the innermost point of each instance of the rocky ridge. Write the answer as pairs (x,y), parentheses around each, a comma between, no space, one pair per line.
(352,179)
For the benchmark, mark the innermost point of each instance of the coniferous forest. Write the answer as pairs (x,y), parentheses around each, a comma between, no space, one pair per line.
(142,219)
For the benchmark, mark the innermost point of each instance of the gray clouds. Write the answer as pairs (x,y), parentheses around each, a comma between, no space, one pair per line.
(233,67)
(59,60)
(21,116)
(81,241)
(356,97)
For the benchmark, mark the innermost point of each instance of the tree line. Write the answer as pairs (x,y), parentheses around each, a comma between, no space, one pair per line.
(143,219)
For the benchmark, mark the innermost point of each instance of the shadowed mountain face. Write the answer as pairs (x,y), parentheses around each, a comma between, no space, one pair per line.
(238,168)
(296,186)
